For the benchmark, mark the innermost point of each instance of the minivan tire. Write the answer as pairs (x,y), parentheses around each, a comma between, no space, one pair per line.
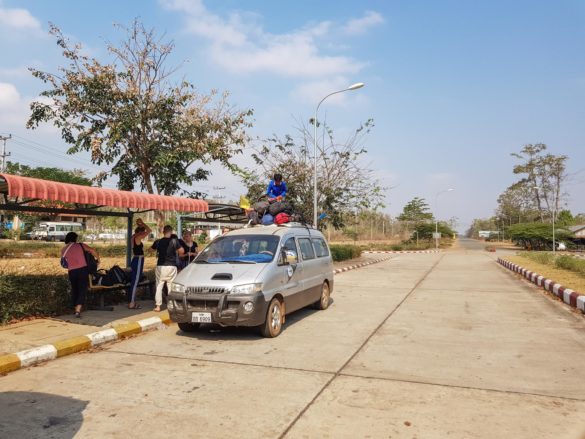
(272,326)
(323,302)
(188,326)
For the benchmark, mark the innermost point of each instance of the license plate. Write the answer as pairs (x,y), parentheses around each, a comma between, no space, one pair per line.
(201,317)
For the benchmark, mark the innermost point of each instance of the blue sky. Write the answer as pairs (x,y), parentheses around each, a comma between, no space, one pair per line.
(454,87)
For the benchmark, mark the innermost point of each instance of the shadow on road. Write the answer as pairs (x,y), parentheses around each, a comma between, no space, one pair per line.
(215,332)
(39,415)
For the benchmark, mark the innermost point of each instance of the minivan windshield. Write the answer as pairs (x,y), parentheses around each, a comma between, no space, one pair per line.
(244,249)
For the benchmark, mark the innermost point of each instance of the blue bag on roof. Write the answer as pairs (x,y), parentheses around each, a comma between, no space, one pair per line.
(267,219)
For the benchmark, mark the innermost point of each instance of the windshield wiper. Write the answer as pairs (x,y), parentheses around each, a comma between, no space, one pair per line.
(237,261)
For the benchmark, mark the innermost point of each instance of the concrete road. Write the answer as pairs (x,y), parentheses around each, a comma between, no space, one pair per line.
(421,346)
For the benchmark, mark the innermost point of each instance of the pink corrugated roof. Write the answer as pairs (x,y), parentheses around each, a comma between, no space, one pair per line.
(27,187)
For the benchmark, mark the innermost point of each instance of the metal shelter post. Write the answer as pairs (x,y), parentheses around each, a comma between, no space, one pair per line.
(179,225)
(129,238)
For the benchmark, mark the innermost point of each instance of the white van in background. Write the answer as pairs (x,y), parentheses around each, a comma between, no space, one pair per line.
(55,230)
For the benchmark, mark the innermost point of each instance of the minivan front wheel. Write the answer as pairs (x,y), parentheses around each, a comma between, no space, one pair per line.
(323,302)
(274,319)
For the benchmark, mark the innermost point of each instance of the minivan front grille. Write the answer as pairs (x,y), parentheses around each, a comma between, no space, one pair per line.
(205,290)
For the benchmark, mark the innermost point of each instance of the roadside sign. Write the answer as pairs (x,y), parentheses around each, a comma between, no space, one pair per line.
(436,235)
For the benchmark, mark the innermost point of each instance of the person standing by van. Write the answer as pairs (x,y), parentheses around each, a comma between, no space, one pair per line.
(74,257)
(189,247)
(168,251)
(137,264)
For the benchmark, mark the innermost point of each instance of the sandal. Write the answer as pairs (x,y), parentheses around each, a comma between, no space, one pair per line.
(136,306)
(157,309)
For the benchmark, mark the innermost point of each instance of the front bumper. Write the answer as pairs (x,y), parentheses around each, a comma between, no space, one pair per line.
(226,309)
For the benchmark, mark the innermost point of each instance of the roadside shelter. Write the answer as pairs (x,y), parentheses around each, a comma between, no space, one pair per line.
(22,194)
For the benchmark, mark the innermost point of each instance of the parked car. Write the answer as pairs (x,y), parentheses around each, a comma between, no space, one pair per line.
(254,277)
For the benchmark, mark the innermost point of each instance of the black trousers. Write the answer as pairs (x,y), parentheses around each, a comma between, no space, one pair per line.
(79,279)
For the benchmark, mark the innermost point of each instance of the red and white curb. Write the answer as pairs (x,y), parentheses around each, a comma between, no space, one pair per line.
(402,251)
(362,264)
(567,295)
(30,357)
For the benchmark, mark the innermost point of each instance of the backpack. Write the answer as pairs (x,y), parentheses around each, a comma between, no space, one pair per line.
(267,219)
(280,206)
(117,275)
(253,217)
(282,218)
(261,207)
(100,278)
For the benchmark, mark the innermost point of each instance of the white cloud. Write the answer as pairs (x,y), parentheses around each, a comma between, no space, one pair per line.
(240,45)
(363,24)
(15,18)
(9,96)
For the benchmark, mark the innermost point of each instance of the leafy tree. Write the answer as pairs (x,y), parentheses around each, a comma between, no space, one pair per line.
(481,224)
(543,174)
(75,176)
(416,211)
(130,115)
(344,183)
(537,236)
(565,218)
(425,231)
(517,204)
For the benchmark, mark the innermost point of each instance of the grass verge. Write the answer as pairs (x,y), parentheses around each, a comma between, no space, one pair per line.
(566,278)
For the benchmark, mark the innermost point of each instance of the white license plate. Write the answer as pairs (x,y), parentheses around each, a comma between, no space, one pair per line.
(201,317)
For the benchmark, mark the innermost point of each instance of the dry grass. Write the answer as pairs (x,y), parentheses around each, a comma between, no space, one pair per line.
(566,278)
(51,266)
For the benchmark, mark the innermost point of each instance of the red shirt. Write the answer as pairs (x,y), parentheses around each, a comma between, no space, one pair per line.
(75,256)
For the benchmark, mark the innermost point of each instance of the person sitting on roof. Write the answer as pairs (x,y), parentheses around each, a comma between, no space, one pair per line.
(276,188)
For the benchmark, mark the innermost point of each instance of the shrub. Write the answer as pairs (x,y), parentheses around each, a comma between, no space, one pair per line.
(32,295)
(345,252)
(545,258)
(570,263)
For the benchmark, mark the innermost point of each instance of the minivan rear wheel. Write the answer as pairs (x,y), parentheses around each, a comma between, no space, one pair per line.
(323,302)
(274,319)
(188,326)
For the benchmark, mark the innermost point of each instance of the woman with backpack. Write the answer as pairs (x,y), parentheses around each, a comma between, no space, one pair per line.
(73,258)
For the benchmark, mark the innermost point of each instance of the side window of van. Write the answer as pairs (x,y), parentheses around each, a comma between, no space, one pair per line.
(306,249)
(290,248)
(320,248)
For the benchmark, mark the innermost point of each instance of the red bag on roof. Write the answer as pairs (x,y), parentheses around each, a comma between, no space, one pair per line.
(282,218)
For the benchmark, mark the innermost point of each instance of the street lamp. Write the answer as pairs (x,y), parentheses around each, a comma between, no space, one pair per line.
(437,217)
(553,217)
(351,87)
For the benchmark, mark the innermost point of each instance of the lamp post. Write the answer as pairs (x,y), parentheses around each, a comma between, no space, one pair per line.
(351,87)
(553,218)
(437,217)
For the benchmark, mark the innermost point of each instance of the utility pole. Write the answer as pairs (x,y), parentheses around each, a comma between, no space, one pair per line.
(4,153)
(219,197)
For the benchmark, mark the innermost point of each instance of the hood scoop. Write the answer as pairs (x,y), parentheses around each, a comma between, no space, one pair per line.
(222,276)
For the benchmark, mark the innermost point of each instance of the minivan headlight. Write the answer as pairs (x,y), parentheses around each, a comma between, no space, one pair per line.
(177,288)
(246,289)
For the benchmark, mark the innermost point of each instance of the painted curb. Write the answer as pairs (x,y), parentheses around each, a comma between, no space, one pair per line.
(401,251)
(30,357)
(567,295)
(363,264)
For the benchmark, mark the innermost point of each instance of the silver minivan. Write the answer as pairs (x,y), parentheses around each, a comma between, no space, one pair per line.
(254,277)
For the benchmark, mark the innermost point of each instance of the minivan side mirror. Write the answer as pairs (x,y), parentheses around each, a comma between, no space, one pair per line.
(288,257)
